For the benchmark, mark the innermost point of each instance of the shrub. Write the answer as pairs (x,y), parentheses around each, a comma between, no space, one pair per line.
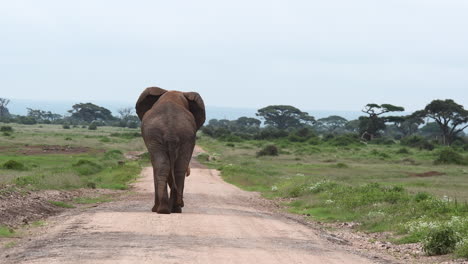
(92,126)
(269,150)
(13,165)
(66,126)
(449,156)
(86,167)
(461,249)
(421,196)
(6,129)
(403,151)
(343,140)
(230,145)
(113,154)
(417,142)
(439,241)
(341,165)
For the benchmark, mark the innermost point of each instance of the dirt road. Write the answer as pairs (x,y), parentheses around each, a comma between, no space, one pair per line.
(220,224)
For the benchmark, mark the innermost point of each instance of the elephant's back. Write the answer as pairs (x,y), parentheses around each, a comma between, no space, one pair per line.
(169,118)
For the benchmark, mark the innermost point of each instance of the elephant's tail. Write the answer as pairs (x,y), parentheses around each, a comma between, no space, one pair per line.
(173,147)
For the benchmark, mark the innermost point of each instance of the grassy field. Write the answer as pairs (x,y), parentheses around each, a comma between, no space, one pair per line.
(382,187)
(51,157)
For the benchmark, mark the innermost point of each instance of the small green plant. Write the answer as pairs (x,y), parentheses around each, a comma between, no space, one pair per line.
(269,150)
(61,204)
(68,138)
(13,165)
(440,241)
(6,231)
(66,126)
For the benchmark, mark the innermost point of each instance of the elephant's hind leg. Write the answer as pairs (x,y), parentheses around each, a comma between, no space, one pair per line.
(156,200)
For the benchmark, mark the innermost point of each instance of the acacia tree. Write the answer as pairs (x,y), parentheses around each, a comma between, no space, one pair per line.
(3,107)
(331,124)
(370,126)
(450,116)
(406,125)
(284,116)
(90,112)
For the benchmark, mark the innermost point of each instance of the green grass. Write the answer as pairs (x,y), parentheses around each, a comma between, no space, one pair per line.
(95,166)
(61,204)
(6,232)
(380,186)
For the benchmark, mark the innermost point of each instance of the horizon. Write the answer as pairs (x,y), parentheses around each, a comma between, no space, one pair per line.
(19,107)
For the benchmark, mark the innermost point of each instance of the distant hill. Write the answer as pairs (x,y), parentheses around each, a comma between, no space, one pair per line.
(19,107)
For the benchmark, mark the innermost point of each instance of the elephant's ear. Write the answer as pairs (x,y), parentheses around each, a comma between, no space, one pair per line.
(147,99)
(197,107)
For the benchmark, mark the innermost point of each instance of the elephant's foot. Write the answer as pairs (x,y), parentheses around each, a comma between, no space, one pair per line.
(154,209)
(176,209)
(163,210)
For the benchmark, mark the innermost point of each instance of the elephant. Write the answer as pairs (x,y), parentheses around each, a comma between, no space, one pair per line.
(169,123)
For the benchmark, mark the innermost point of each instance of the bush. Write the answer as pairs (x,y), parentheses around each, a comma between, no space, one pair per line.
(449,156)
(6,129)
(403,151)
(26,120)
(343,140)
(113,154)
(417,142)
(13,165)
(440,241)
(269,150)
(461,250)
(421,196)
(87,167)
(341,165)
(92,126)
(66,126)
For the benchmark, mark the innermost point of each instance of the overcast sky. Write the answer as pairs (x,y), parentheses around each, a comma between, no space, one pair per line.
(327,55)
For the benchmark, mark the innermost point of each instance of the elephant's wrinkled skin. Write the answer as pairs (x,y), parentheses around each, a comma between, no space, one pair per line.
(169,122)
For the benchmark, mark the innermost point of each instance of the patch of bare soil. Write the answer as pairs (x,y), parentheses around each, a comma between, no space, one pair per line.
(427,174)
(21,206)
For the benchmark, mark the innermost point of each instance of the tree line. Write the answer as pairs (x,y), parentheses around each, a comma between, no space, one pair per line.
(80,114)
(441,121)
